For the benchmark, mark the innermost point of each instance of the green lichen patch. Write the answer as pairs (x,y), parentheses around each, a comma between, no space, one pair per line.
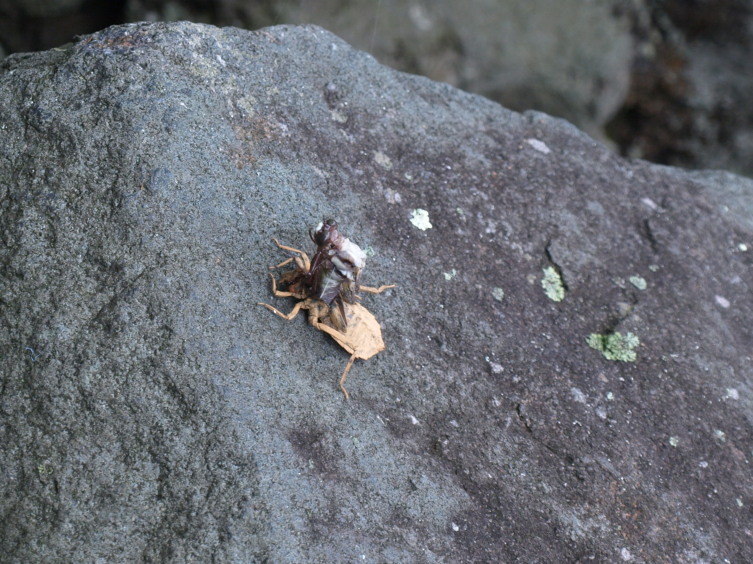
(615,346)
(552,283)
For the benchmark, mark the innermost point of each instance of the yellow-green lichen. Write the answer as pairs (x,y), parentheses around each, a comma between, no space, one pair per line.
(44,469)
(552,284)
(615,346)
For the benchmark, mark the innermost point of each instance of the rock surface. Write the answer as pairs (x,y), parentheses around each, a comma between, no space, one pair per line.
(153,413)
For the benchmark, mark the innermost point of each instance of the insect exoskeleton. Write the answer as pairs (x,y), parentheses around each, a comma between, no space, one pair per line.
(327,286)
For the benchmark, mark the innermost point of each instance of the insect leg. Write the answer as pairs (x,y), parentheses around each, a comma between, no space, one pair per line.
(283,263)
(280,293)
(345,373)
(340,337)
(379,290)
(304,256)
(276,311)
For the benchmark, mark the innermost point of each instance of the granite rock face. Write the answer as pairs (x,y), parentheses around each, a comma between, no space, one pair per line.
(568,366)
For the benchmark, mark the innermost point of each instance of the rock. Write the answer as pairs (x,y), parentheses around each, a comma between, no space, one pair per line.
(688,100)
(152,412)
(570,59)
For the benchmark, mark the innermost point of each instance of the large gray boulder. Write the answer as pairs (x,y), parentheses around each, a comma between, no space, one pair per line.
(568,366)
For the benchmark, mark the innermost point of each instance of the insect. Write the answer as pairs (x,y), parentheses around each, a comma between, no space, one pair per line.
(332,275)
(327,286)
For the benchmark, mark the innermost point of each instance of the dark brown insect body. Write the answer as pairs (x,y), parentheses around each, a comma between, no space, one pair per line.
(331,275)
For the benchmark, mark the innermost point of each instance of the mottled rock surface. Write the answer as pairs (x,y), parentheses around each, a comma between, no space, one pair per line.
(152,412)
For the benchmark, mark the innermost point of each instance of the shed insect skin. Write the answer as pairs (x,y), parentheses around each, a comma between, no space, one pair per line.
(336,264)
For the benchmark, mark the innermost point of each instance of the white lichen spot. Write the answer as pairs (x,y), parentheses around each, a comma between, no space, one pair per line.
(739,502)
(540,146)
(610,396)
(338,117)
(732,393)
(743,247)
(649,203)
(413,420)
(638,281)
(703,464)
(578,395)
(498,293)
(455,527)
(674,441)
(450,275)
(420,219)
(552,284)
(720,435)
(382,160)
(247,104)
(722,301)
(392,197)
(626,555)
(653,267)
(496,367)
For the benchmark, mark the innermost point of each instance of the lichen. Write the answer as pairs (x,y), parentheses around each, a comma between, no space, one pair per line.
(638,281)
(420,219)
(615,346)
(552,284)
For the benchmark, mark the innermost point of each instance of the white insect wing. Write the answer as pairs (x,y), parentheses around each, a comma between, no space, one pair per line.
(352,253)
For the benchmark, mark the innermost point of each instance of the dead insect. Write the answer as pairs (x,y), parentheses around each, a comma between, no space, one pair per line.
(353,327)
(336,265)
(331,275)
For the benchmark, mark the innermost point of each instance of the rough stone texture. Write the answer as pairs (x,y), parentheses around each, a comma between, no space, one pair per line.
(151,412)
